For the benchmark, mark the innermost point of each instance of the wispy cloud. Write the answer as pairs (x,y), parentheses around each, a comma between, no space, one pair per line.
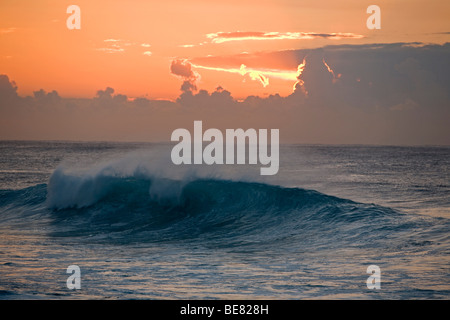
(221,37)
(113,45)
(111,50)
(261,75)
(7,30)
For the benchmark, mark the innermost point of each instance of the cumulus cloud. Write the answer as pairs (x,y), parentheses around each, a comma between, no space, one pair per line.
(108,99)
(44,98)
(219,99)
(8,89)
(183,69)
(364,76)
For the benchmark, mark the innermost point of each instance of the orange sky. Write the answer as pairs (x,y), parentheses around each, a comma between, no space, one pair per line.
(129,44)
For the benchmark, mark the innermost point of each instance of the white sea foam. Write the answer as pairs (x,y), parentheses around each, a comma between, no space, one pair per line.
(79,185)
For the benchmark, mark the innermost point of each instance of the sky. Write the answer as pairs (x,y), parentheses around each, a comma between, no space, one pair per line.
(136,70)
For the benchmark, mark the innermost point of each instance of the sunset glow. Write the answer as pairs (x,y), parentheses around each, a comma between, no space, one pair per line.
(130,48)
(302,56)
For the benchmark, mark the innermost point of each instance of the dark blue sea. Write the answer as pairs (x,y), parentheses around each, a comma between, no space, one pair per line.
(140,227)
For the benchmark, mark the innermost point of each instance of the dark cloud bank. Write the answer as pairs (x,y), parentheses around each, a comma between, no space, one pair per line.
(377,94)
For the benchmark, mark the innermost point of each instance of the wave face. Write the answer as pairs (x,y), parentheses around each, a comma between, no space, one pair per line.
(138,208)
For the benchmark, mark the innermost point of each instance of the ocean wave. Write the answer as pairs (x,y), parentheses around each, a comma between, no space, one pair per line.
(141,207)
(136,206)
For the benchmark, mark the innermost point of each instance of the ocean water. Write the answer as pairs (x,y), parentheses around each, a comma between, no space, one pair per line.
(139,227)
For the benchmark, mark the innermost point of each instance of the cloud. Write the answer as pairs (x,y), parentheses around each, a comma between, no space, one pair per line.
(112,46)
(8,89)
(183,68)
(221,37)
(299,84)
(352,94)
(47,98)
(105,94)
(147,53)
(261,75)
(220,99)
(7,30)
(111,50)
(367,75)
(108,99)
(257,76)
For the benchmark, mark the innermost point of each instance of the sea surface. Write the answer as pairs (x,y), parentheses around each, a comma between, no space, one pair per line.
(139,227)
